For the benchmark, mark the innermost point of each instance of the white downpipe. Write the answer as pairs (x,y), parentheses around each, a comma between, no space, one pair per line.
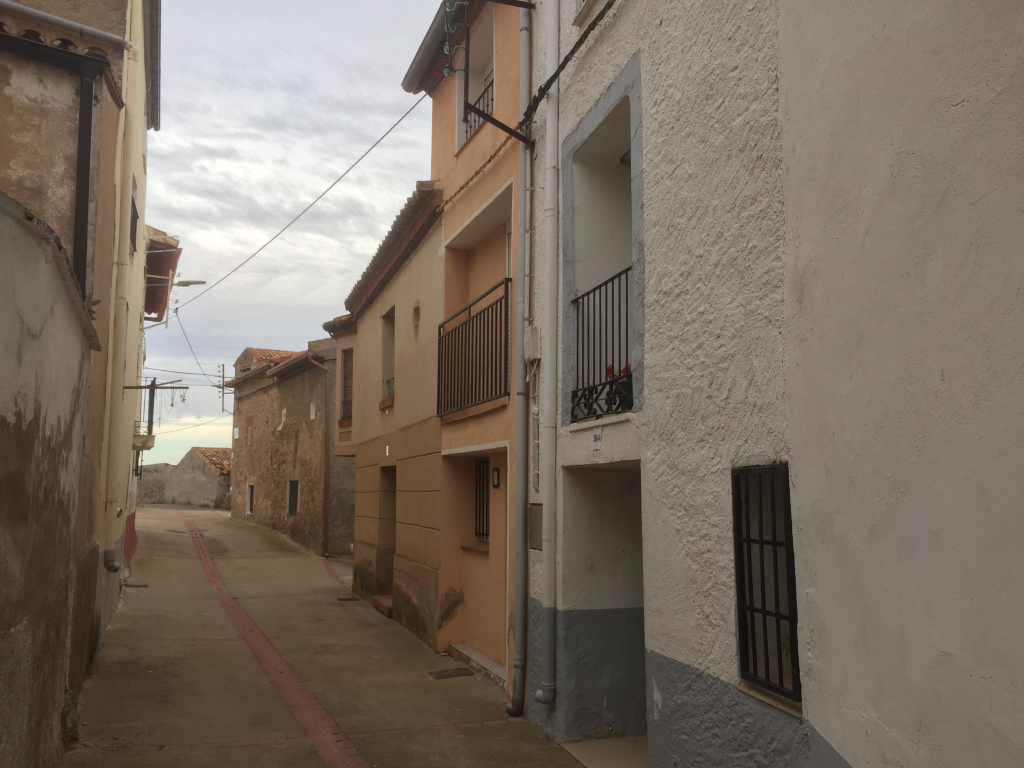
(549,361)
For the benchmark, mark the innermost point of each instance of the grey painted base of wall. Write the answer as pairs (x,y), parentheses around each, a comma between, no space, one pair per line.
(697,720)
(599,674)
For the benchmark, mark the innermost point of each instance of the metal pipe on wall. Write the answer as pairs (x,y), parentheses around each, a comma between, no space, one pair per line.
(549,358)
(516,706)
(328,430)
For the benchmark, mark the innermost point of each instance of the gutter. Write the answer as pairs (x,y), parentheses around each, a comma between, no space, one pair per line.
(326,550)
(549,364)
(426,53)
(152,14)
(71,26)
(517,705)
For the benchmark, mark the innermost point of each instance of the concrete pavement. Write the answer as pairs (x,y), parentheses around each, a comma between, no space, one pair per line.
(234,647)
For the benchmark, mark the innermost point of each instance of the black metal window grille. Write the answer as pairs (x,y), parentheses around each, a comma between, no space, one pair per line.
(604,373)
(765,579)
(483,500)
(388,389)
(293,498)
(485,103)
(346,384)
(250,500)
(473,352)
(133,234)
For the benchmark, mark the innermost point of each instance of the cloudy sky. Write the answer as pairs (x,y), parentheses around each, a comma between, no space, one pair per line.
(264,104)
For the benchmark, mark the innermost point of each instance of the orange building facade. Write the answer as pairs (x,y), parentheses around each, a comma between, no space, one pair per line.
(430,338)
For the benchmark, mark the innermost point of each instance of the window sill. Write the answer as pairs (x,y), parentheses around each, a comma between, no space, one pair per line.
(346,423)
(601,421)
(387,403)
(477,546)
(790,707)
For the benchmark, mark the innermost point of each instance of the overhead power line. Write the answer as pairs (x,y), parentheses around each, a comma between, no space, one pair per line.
(194,426)
(194,356)
(308,207)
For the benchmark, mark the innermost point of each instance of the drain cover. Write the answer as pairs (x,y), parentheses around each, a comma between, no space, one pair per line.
(444,674)
(347,599)
(135,586)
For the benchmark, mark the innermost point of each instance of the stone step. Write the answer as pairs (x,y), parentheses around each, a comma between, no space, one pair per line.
(383,604)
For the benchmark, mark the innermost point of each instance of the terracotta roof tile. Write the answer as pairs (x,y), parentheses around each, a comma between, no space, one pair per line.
(218,458)
(270,355)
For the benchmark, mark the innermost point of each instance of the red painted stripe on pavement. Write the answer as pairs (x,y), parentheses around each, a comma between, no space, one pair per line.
(432,728)
(333,575)
(331,743)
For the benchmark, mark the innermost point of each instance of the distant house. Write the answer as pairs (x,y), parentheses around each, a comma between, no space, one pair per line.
(202,478)
(285,474)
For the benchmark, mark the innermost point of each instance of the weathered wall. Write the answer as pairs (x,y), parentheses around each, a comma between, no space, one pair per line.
(343,504)
(43,327)
(196,483)
(153,483)
(902,123)
(39,124)
(281,439)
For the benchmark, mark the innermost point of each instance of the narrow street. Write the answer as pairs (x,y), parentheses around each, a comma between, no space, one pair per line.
(234,647)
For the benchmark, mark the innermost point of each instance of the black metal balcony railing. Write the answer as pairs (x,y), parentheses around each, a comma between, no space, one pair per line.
(143,428)
(388,390)
(485,103)
(604,374)
(473,352)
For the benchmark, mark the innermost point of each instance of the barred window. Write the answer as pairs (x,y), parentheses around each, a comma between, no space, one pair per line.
(765,579)
(346,384)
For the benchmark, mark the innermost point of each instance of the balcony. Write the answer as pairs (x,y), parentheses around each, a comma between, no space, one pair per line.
(485,103)
(473,352)
(143,439)
(603,380)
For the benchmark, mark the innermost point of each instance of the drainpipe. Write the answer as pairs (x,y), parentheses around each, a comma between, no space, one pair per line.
(327,459)
(516,706)
(549,358)
(70,26)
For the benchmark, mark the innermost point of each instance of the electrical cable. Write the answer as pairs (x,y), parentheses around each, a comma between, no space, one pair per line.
(306,209)
(167,370)
(176,317)
(194,426)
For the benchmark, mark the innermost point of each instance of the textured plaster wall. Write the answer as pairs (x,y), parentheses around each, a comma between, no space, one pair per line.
(42,402)
(905,348)
(714,239)
(712,251)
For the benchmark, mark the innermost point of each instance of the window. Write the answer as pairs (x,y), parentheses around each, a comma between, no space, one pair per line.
(133,234)
(483,499)
(250,499)
(346,384)
(475,82)
(293,498)
(765,579)
(388,358)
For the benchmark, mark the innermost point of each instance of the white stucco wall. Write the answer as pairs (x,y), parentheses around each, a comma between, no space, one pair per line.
(713,246)
(903,126)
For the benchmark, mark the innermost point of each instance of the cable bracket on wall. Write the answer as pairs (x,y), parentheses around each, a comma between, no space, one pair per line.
(473,109)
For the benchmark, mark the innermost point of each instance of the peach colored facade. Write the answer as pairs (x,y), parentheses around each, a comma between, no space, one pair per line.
(418,491)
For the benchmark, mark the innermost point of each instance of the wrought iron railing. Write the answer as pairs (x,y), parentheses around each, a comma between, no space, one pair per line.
(143,428)
(388,390)
(473,352)
(604,371)
(485,103)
